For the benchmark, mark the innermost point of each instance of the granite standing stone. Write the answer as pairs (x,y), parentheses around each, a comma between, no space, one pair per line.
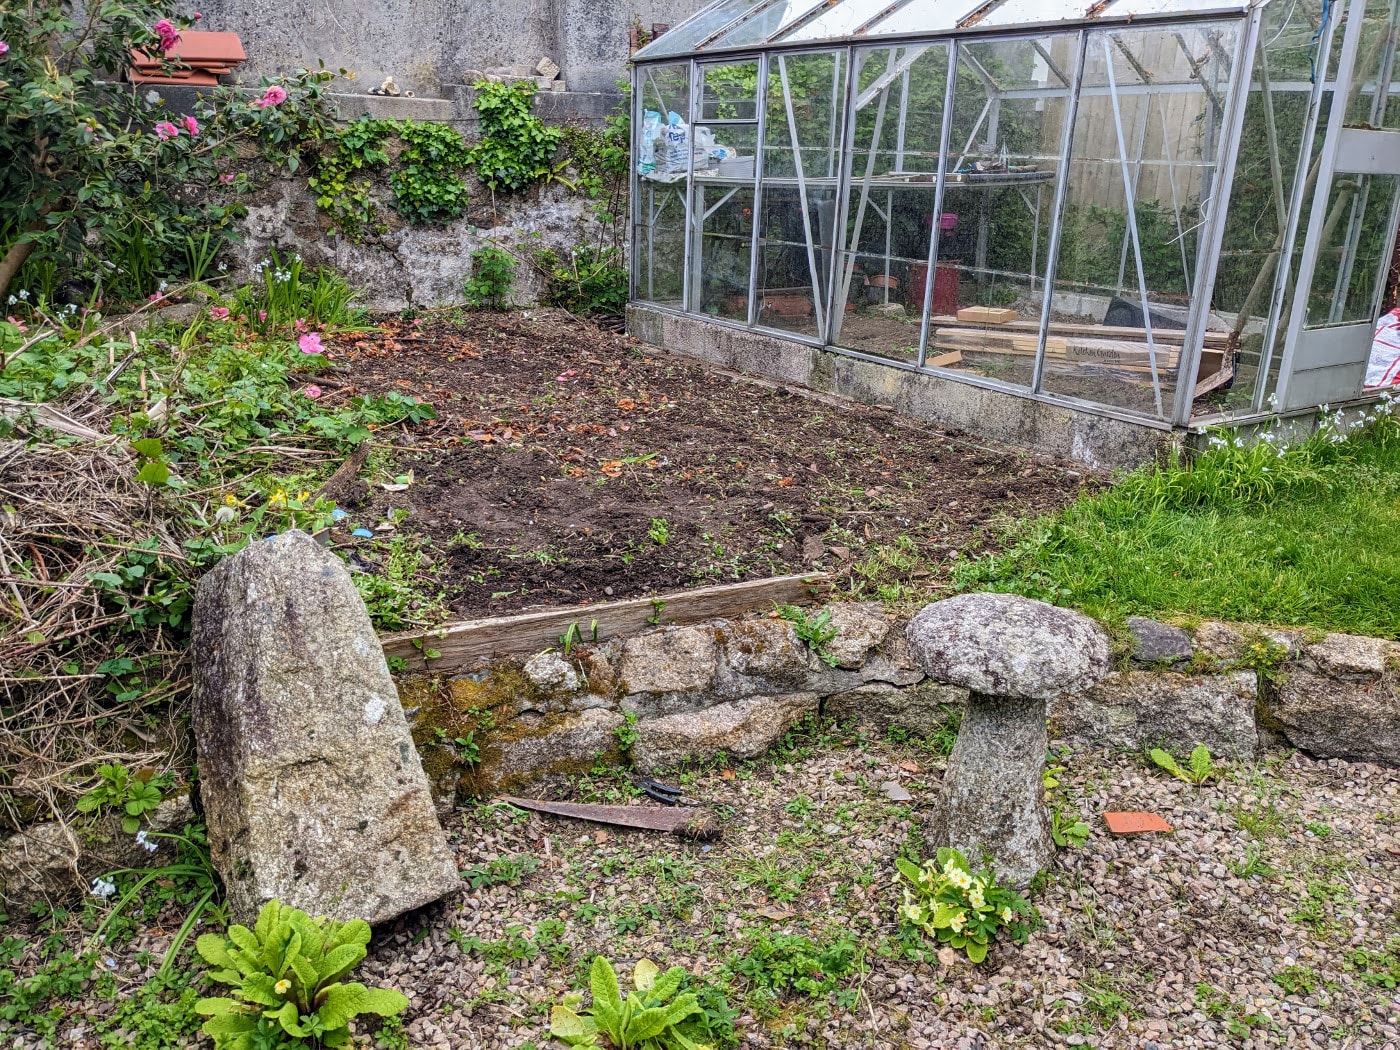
(1012,654)
(312,789)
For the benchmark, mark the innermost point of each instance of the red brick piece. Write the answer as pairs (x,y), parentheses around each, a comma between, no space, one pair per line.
(1135,823)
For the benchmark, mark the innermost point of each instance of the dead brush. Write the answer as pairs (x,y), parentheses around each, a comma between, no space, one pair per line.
(70,516)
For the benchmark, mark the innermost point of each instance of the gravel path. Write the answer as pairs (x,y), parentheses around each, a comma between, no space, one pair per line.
(1149,941)
(1269,918)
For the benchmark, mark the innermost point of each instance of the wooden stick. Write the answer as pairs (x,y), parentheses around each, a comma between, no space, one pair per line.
(469,643)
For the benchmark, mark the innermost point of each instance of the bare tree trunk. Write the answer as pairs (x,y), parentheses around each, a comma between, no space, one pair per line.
(10,264)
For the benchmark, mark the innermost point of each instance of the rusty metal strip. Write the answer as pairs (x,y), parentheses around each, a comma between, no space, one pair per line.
(979,13)
(679,820)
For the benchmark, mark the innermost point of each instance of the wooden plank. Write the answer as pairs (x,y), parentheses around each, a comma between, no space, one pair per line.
(944,360)
(470,642)
(946,322)
(986,315)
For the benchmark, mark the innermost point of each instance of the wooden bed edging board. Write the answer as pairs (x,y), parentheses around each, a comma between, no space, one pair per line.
(470,642)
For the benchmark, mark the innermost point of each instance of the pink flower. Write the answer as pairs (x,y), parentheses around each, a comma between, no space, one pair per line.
(166,130)
(19,325)
(226,177)
(197,16)
(219,313)
(4,47)
(312,391)
(273,96)
(262,315)
(168,34)
(311,344)
(191,125)
(300,325)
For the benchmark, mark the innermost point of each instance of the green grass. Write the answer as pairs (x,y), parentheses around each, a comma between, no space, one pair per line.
(1303,536)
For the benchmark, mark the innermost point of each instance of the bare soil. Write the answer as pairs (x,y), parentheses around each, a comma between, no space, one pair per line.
(570,464)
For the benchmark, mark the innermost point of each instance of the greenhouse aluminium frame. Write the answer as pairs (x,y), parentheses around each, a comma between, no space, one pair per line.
(1085,83)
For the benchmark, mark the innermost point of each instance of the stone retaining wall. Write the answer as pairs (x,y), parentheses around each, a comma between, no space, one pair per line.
(733,688)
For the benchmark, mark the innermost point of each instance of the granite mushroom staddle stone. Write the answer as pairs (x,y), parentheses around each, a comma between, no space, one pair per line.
(1013,654)
(312,789)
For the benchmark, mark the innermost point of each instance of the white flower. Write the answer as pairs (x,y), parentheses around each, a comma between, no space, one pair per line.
(13,300)
(24,293)
(103,888)
(145,843)
(1005,914)
(957,922)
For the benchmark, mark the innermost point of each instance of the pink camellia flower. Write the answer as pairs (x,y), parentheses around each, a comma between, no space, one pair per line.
(311,343)
(219,313)
(312,391)
(166,130)
(191,125)
(226,177)
(168,34)
(273,96)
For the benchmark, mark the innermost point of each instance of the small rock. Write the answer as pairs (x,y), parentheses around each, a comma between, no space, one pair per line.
(741,729)
(860,628)
(551,672)
(547,68)
(895,791)
(886,310)
(1155,642)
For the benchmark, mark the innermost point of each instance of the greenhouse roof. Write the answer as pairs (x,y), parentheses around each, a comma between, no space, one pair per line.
(729,25)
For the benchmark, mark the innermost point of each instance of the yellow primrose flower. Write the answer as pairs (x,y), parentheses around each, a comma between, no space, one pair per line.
(1005,914)
(957,923)
(230,500)
(303,496)
(278,497)
(282,987)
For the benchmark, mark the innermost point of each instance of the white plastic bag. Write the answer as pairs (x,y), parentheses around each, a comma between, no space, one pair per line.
(646,152)
(1384,366)
(676,155)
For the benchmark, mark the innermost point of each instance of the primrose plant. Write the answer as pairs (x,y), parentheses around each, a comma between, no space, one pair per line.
(963,910)
(286,974)
(647,1019)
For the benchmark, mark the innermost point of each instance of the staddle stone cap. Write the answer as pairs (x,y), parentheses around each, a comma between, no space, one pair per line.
(1006,645)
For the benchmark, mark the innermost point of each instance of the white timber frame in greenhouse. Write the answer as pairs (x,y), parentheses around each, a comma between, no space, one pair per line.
(1109,207)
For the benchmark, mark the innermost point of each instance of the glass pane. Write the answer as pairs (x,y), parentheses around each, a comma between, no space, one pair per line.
(1373,57)
(726,247)
(847,16)
(1008,123)
(683,38)
(729,91)
(805,104)
(766,22)
(1353,257)
(883,272)
(1272,158)
(922,16)
(660,243)
(1020,12)
(660,234)
(1141,178)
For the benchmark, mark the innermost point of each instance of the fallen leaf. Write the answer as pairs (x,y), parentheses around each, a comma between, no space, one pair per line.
(909,767)
(784,482)
(626,404)
(600,837)
(776,912)
(612,468)
(946,956)
(726,774)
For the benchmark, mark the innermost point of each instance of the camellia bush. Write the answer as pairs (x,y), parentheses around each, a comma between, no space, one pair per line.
(101,184)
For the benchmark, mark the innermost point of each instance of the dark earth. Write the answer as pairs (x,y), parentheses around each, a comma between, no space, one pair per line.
(571,464)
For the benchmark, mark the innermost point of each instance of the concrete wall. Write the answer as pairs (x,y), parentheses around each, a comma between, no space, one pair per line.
(427,45)
(1097,441)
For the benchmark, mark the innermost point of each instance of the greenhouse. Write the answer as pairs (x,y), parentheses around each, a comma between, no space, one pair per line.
(1112,208)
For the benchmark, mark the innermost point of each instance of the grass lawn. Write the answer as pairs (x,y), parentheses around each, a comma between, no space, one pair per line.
(1307,536)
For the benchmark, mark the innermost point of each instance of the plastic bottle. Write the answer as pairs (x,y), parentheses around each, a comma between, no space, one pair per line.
(646,152)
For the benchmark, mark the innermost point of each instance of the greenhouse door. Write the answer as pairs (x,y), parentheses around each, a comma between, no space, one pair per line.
(1350,239)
